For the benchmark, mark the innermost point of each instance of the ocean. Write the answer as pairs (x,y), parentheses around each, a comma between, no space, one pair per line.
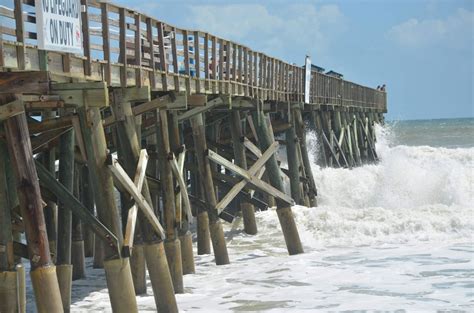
(396,236)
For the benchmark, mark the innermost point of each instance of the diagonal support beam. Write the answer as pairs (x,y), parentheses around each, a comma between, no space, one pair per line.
(193,112)
(122,178)
(177,172)
(138,180)
(249,177)
(256,151)
(48,181)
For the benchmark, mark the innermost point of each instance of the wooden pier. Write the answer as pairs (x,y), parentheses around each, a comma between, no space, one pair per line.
(114,154)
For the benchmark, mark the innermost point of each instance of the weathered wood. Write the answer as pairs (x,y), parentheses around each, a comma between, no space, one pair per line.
(66,178)
(172,244)
(285,216)
(48,158)
(50,124)
(103,187)
(217,233)
(293,163)
(77,232)
(31,205)
(251,179)
(11,109)
(7,262)
(127,184)
(75,206)
(138,180)
(28,190)
(252,171)
(248,211)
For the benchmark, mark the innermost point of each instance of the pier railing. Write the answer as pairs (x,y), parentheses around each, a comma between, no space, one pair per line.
(127,48)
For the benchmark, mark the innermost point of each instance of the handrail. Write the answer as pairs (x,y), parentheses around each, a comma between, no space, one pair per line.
(126,47)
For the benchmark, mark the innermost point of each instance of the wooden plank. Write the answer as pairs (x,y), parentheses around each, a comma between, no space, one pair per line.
(86,40)
(20,34)
(123,47)
(197,61)
(149,36)
(174,53)
(122,178)
(186,61)
(206,61)
(106,41)
(49,124)
(19,82)
(162,55)
(198,110)
(138,50)
(11,109)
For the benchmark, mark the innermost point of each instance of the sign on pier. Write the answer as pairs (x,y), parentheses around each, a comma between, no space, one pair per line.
(58,24)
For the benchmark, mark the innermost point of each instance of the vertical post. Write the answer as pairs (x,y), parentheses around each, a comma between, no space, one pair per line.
(172,243)
(88,201)
(327,128)
(51,209)
(317,125)
(77,235)
(66,177)
(155,255)
(185,235)
(248,210)
(301,133)
(117,269)
(137,258)
(43,272)
(215,227)
(293,163)
(285,216)
(8,276)
(355,141)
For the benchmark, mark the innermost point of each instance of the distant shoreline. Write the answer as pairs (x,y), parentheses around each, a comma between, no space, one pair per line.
(429,119)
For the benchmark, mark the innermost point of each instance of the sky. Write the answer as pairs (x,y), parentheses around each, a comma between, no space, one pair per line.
(422,50)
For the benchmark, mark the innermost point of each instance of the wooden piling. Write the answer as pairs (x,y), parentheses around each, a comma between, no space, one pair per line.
(43,272)
(185,236)
(51,209)
(293,163)
(8,275)
(248,210)
(66,178)
(215,226)
(301,133)
(77,232)
(285,216)
(118,273)
(172,243)
(203,234)
(130,150)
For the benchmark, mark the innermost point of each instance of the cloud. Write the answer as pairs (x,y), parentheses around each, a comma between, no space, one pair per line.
(290,29)
(456,29)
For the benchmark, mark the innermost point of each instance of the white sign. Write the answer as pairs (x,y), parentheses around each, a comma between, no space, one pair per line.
(58,24)
(307,79)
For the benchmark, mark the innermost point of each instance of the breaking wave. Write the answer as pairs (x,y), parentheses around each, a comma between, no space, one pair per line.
(415,193)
